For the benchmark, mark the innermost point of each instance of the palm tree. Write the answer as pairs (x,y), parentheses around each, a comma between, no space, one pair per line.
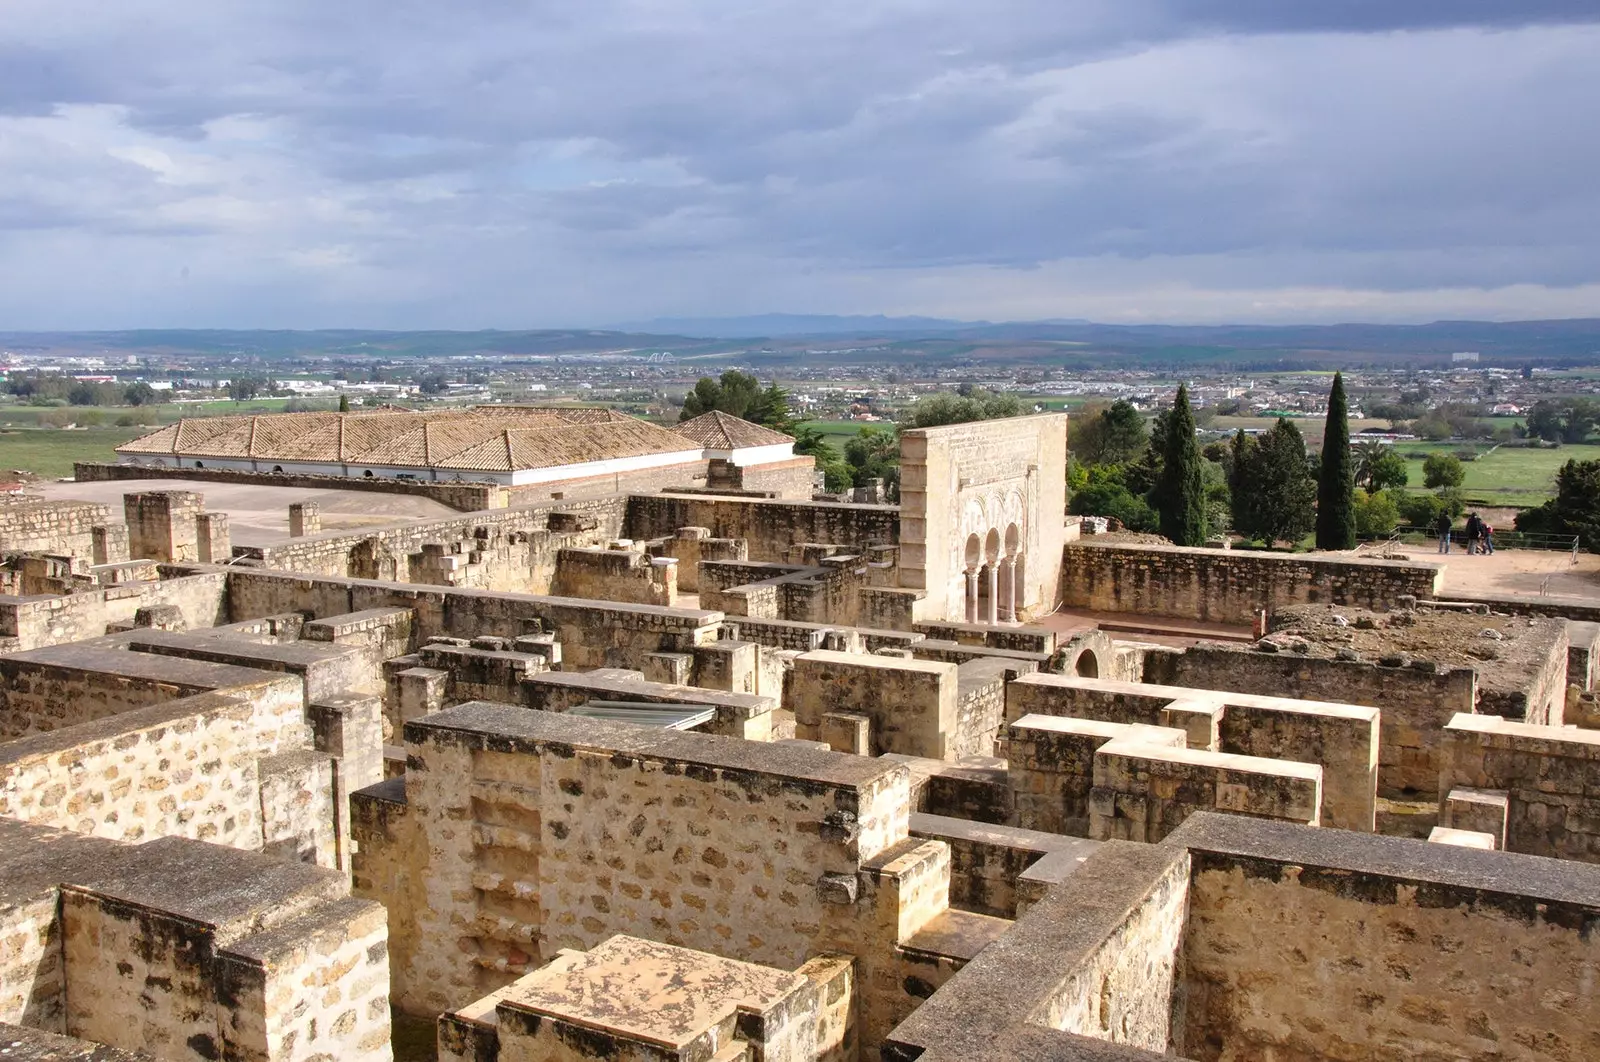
(1368,453)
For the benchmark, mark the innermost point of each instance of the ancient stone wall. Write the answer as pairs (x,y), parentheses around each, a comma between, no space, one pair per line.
(163,525)
(1418,952)
(591,633)
(65,527)
(51,689)
(35,623)
(911,704)
(523,832)
(528,563)
(1416,700)
(769,527)
(1550,776)
(1228,586)
(616,575)
(1144,792)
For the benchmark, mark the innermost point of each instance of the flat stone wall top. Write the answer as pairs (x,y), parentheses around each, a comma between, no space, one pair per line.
(505,728)
(866,662)
(1520,881)
(1495,732)
(197,675)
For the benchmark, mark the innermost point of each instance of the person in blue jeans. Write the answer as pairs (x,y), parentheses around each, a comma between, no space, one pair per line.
(1488,539)
(1443,528)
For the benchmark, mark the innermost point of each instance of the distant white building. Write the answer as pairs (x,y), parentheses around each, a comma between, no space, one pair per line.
(1464,357)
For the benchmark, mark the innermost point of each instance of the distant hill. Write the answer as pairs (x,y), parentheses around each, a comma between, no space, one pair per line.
(773,339)
(797,324)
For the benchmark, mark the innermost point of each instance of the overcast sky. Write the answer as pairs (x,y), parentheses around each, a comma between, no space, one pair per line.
(493,163)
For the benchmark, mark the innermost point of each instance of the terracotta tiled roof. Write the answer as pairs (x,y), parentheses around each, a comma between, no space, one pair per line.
(489,438)
(723,431)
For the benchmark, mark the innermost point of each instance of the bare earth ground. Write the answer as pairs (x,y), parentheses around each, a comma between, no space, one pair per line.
(1525,571)
(260,515)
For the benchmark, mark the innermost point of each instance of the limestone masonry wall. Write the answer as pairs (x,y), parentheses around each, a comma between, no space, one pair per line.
(1406,962)
(769,527)
(540,530)
(36,622)
(1228,586)
(1550,776)
(65,527)
(591,633)
(1416,700)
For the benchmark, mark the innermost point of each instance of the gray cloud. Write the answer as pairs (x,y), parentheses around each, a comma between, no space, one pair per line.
(485,163)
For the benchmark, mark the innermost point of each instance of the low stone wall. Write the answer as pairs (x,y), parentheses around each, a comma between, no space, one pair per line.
(37,622)
(1550,775)
(105,779)
(464,497)
(769,527)
(591,633)
(529,536)
(1144,792)
(65,527)
(1416,701)
(52,689)
(1228,586)
(1050,765)
(494,855)
(616,575)
(910,705)
(187,951)
(1419,950)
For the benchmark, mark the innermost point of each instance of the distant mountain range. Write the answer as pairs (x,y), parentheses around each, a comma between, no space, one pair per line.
(798,337)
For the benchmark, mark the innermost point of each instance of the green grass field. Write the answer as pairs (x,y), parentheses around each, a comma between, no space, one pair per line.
(838,432)
(1510,476)
(50,452)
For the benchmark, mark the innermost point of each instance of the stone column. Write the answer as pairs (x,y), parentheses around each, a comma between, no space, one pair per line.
(305,518)
(1008,590)
(991,613)
(972,595)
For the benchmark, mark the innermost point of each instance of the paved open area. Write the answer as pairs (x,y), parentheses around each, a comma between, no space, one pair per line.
(259,515)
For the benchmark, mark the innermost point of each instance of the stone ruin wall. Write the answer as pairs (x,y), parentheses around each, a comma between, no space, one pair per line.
(770,528)
(1400,970)
(1229,586)
(37,623)
(529,568)
(62,527)
(591,634)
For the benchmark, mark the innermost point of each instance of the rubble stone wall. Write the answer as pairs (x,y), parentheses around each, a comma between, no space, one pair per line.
(1416,701)
(1228,586)
(65,527)
(34,623)
(1404,959)
(769,527)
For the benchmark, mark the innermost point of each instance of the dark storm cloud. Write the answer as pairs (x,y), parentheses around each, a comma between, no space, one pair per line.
(396,157)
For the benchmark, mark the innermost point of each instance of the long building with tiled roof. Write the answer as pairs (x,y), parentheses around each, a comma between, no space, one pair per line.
(513,445)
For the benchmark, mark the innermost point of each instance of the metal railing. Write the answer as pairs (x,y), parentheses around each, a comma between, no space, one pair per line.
(1412,535)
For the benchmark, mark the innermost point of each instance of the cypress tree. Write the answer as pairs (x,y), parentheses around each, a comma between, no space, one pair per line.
(344,403)
(1336,514)
(1181,492)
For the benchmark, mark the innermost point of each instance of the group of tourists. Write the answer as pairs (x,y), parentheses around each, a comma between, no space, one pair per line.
(1479,535)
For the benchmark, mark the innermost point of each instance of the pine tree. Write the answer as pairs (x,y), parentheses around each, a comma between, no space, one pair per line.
(1278,483)
(1180,491)
(1336,514)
